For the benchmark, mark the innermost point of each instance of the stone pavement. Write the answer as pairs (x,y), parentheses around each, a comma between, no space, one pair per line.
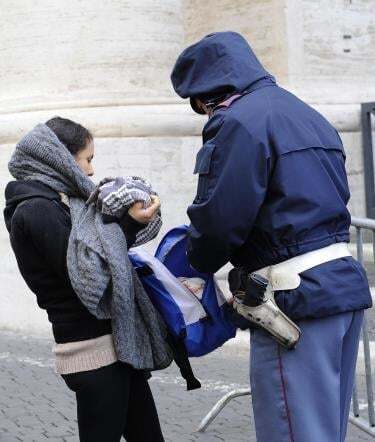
(35,404)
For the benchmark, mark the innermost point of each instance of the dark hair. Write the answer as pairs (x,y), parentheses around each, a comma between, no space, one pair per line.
(71,134)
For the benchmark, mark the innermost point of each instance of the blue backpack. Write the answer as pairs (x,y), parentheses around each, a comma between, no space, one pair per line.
(202,323)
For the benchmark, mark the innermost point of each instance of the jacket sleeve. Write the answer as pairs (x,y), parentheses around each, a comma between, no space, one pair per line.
(129,226)
(45,225)
(233,168)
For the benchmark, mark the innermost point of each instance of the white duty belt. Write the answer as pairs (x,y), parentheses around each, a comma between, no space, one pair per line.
(285,275)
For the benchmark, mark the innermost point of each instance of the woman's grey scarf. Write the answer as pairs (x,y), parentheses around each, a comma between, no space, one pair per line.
(97,253)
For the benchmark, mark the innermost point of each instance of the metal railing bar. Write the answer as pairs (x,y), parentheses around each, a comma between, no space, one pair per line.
(370,393)
(217,408)
(366,341)
(359,240)
(362,424)
(356,411)
(364,223)
(355,403)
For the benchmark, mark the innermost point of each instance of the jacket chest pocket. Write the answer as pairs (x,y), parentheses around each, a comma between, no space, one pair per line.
(203,166)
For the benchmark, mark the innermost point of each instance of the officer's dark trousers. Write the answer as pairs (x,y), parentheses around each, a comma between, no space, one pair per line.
(303,395)
(114,401)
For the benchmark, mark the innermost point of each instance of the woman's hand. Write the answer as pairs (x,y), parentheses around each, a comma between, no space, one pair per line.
(145,215)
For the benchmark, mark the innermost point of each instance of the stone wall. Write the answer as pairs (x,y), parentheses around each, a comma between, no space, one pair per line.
(62,54)
(107,65)
(262,22)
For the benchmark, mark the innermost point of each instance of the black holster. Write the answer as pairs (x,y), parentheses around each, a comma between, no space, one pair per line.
(251,287)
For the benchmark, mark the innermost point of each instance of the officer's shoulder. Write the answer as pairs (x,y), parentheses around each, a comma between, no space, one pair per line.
(249,111)
(244,117)
(224,118)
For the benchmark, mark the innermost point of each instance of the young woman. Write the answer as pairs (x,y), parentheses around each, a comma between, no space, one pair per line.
(113,399)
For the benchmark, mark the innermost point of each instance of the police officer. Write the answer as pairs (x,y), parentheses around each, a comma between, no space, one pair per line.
(272,191)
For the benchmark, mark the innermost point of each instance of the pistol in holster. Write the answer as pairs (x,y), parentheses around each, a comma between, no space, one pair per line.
(254,300)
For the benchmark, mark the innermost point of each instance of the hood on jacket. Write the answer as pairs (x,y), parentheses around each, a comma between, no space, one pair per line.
(18,191)
(217,66)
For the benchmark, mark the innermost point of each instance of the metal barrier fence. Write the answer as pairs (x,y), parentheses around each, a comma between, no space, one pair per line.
(366,424)
(364,421)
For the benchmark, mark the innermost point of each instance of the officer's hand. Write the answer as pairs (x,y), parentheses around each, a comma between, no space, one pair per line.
(145,215)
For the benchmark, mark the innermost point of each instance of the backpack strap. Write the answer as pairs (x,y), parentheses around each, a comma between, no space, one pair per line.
(143,271)
(181,358)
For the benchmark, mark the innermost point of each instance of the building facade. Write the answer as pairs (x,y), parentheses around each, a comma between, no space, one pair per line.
(107,66)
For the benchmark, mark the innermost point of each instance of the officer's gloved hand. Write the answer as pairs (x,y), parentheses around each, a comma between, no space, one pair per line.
(255,290)
(238,320)
(237,279)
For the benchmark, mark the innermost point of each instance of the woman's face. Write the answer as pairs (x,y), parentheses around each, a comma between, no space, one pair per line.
(84,158)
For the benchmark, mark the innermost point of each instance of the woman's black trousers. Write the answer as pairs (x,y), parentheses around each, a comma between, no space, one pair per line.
(114,401)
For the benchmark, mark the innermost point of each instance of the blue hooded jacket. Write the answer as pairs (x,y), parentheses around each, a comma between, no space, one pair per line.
(271,179)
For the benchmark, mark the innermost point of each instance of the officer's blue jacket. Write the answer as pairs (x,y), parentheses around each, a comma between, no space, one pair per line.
(271,179)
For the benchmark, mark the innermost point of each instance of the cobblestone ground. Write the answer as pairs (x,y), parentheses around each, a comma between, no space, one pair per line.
(35,404)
